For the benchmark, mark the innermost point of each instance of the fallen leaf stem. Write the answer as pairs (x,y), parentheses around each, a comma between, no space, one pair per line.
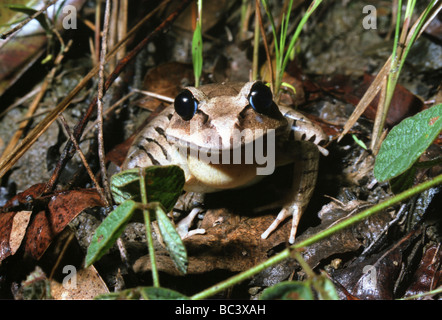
(315,238)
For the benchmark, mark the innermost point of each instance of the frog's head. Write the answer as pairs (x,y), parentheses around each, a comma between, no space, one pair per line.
(224,116)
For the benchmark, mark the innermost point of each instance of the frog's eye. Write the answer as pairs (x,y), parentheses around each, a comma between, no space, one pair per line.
(185,105)
(260,97)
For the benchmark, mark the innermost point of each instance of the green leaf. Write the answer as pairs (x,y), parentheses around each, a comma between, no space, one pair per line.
(359,142)
(109,231)
(288,290)
(403,181)
(147,293)
(125,186)
(172,239)
(406,142)
(128,294)
(152,293)
(164,184)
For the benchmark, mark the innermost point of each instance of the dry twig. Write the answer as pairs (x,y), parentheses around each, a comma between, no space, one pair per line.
(101,151)
(7,35)
(83,159)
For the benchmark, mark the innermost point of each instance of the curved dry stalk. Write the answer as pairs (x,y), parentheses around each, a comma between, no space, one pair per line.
(369,95)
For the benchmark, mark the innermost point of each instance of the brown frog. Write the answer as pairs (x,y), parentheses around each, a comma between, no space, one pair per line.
(217,134)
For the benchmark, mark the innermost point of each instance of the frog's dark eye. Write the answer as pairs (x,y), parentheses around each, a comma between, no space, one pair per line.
(185,105)
(260,97)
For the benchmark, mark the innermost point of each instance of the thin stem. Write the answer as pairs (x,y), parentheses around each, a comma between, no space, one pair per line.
(298,30)
(256,43)
(101,151)
(35,103)
(416,31)
(282,56)
(241,276)
(83,159)
(266,46)
(146,214)
(308,270)
(400,52)
(304,265)
(315,238)
(396,34)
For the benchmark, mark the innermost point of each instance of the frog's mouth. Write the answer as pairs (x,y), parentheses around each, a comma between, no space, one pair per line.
(239,142)
(257,155)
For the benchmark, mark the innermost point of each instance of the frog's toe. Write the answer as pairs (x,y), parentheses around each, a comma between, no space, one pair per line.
(282,215)
(184,225)
(193,232)
(296,216)
(293,211)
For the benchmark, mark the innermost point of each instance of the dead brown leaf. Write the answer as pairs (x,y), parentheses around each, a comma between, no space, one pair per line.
(427,276)
(84,285)
(25,198)
(403,104)
(165,79)
(6,222)
(231,242)
(62,208)
(21,200)
(19,225)
(375,277)
(348,240)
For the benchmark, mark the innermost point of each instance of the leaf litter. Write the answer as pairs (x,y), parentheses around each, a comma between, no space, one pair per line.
(232,239)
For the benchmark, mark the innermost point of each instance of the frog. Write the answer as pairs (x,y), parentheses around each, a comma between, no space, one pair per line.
(210,131)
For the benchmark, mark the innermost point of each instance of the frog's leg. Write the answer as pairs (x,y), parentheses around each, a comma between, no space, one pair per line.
(304,180)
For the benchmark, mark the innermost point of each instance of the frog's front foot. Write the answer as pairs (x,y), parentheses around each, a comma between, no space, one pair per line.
(295,211)
(184,225)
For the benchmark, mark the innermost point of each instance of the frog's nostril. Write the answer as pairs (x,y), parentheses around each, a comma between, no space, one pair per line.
(242,114)
(204,117)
